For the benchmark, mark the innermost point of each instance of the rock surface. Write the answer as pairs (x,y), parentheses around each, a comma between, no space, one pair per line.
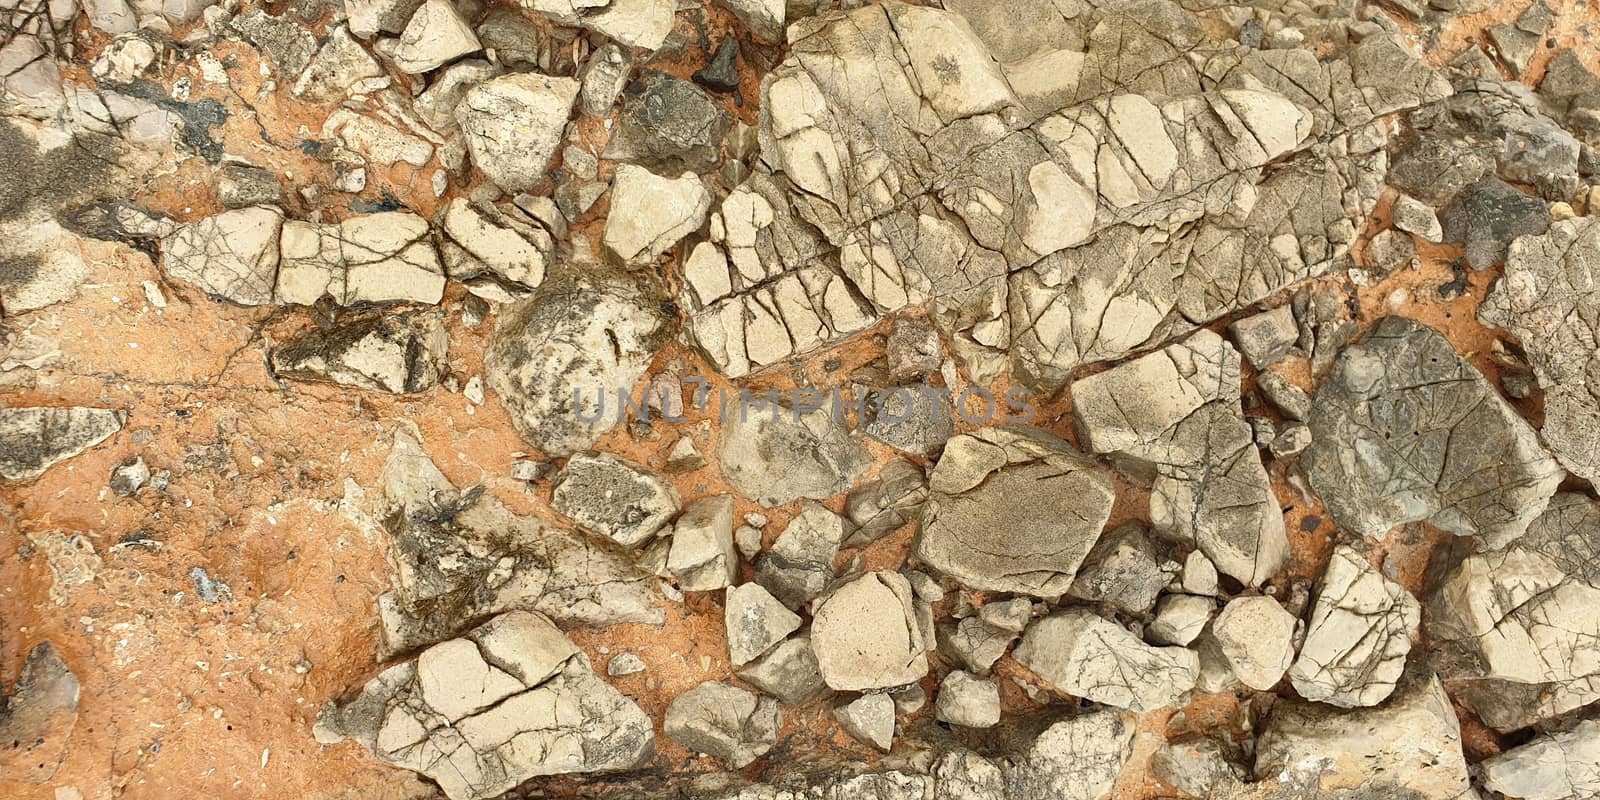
(866,635)
(34,439)
(723,721)
(1358,636)
(1092,657)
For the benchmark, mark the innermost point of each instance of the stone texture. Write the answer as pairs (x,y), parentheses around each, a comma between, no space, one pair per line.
(232,255)
(34,439)
(1551,767)
(869,718)
(775,454)
(1255,636)
(513,125)
(376,258)
(799,565)
(788,671)
(755,621)
(968,701)
(723,721)
(1358,636)
(1124,571)
(702,556)
(866,636)
(510,700)
(619,500)
(1088,656)
(395,354)
(1386,448)
(1012,510)
(650,213)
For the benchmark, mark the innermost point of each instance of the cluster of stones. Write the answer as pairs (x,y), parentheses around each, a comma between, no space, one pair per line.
(1032,189)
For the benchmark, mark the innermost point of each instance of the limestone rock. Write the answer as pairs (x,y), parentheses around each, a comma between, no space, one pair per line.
(513,125)
(1551,767)
(1012,510)
(755,621)
(974,643)
(1089,656)
(635,23)
(1264,338)
(1174,417)
(555,357)
(777,454)
(1387,447)
(614,498)
(764,18)
(486,243)
(1487,215)
(1359,635)
(377,258)
(38,717)
(34,439)
(800,563)
(668,124)
(340,62)
(869,718)
(1256,637)
(788,671)
(435,36)
(1547,299)
(381,352)
(702,554)
(968,701)
(1123,570)
(232,255)
(866,636)
(723,721)
(1180,619)
(510,700)
(885,503)
(650,213)
(1198,766)
(1077,758)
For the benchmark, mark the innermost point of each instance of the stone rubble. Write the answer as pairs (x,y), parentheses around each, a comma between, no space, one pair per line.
(1358,636)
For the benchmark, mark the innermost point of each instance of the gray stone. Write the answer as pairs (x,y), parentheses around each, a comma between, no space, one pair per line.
(243,185)
(916,419)
(669,124)
(1551,767)
(723,721)
(1547,299)
(1012,510)
(1264,338)
(290,45)
(1487,215)
(913,351)
(776,454)
(602,79)
(866,636)
(544,365)
(1284,396)
(1358,637)
(886,503)
(788,672)
(1385,447)
(764,18)
(1077,758)
(684,457)
(511,700)
(755,621)
(1123,571)
(619,500)
(340,62)
(1198,766)
(702,556)
(721,72)
(974,643)
(799,564)
(968,701)
(1088,656)
(624,664)
(1174,417)
(39,715)
(1414,216)
(513,125)
(34,439)
(382,352)
(869,718)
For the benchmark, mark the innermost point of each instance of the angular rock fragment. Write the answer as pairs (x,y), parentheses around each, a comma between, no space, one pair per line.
(916,419)
(380,352)
(650,213)
(232,255)
(913,350)
(702,555)
(886,503)
(584,335)
(1548,300)
(974,643)
(1012,510)
(1077,758)
(435,36)
(1255,637)
(340,62)
(513,125)
(800,563)
(1359,635)
(377,258)
(755,621)
(1174,417)
(866,636)
(968,701)
(1520,626)
(1391,444)
(1414,216)
(463,556)
(1197,766)
(1551,767)
(635,23)
(774,454)
(617,499)
(1487,215)
(1266,337)
(668,124)
(1123,570)
(510,700)
(723,721)
(1180,619)
(869,718)
(369,17)
(788,672)
(38,717)
(488,244)
(34,439)
(764,18)
(1410,746)
(1088,656)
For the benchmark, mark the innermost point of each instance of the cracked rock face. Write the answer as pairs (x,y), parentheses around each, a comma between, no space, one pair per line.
(559,357)
(866,636)
(1255,638)
(513,126)
(1551,767)
(1548,300)
(459,556)
(399,355)
(775,454)
(613,498)
(1404,430)
(1078,758)
(510,700)
(1089,656)
(1358,636)
(1174,418)
(34,439)
(1012,510)
(723,721)
(1520,624)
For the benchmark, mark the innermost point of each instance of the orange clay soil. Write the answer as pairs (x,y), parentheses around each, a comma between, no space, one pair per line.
(181,697)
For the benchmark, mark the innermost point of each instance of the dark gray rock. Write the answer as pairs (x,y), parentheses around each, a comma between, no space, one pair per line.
(399,354)
(1487,215)
(668,124)
(721,73)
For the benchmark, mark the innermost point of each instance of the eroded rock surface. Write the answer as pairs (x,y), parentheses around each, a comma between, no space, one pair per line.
(34,439)
(866,635)
(1089,656)
(1358,635)
(510,700)
(1404,430)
